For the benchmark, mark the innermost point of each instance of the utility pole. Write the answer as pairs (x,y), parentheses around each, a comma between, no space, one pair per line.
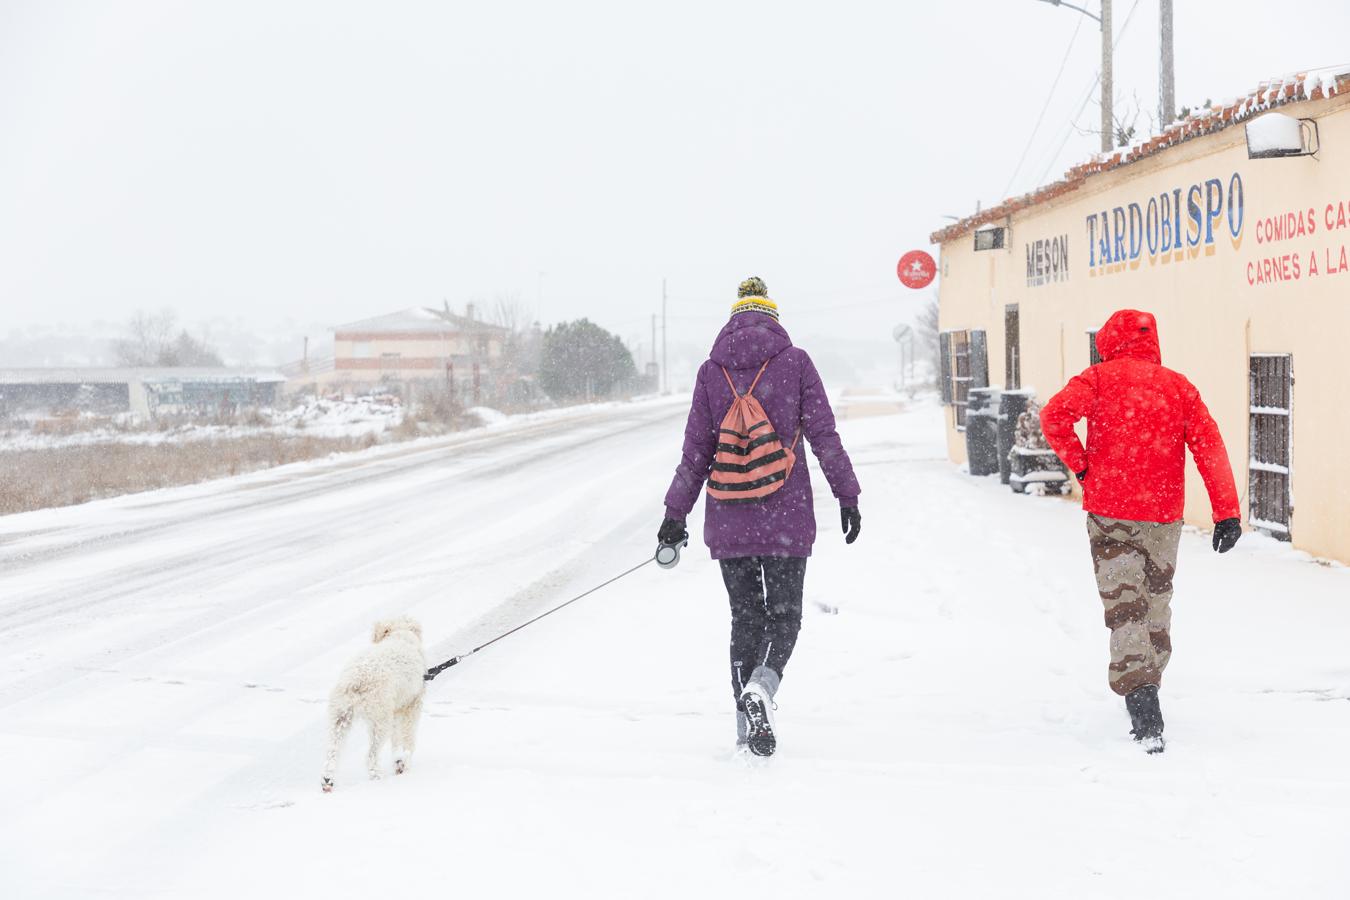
(1167,99)
(665,359)
(655,382)
(1104,20)
(1108,121)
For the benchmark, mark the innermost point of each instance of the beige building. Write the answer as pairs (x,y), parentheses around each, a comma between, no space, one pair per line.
(1241,253)
(404,349)
(415,344)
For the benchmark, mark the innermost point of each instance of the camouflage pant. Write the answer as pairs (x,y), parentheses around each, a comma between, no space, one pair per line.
(1134,562)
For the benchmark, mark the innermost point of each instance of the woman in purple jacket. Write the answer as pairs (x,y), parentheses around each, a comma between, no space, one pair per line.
(761,546)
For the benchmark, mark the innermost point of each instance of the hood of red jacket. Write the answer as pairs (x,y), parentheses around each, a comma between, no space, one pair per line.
(1129,334)
(749,340)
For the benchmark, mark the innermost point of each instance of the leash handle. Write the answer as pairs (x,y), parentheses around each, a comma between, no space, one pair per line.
(668,555)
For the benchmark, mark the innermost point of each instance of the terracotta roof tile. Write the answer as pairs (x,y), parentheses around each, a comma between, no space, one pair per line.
(1315,85)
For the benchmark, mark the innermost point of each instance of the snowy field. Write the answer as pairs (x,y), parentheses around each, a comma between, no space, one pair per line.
(945,726)
(331,417)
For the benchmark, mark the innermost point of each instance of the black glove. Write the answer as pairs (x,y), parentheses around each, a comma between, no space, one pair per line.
(1226,534)
(1081,476)
(672,532)
(851,519)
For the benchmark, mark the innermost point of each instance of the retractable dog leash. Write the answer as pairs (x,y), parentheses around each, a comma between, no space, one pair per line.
(667,556)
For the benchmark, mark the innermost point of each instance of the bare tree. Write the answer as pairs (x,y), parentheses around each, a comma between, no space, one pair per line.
(926,324)
(1126,125)
(148,336)
(151,341)
(187,350)
(511,313)
(523,345)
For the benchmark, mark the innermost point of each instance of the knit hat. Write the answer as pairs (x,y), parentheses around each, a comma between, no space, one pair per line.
(752,296)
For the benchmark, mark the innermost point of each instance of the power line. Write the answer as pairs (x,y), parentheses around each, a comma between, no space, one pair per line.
(1054,157)
(1039,119)
(810,310)
(1073,122)
(709,300)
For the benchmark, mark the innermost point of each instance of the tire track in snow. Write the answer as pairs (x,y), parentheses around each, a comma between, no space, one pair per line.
(235,551)
(274,777)
(264,552)
(305,482)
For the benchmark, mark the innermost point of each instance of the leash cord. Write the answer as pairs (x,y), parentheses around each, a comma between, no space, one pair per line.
(455,660)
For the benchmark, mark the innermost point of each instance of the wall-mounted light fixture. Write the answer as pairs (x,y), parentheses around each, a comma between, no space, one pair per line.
(1275,135)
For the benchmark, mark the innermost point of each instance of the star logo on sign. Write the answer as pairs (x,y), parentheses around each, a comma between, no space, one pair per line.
(916,269)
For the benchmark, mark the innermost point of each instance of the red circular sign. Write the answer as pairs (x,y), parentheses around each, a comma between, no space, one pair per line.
(916,269)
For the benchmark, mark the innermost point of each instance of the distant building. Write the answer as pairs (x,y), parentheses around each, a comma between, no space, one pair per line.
(145,391)
(413,346)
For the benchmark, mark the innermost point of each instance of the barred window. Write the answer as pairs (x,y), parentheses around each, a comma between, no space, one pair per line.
(964,363)
(960,375)
(1012,347)
(1270,501)
(945,367)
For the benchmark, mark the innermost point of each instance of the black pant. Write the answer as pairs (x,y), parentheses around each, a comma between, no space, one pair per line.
(766,613)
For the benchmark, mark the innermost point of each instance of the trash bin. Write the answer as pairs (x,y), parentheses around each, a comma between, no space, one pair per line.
(982,431)
(1010,405)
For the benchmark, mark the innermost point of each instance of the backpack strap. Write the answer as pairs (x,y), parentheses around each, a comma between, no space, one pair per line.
(793,449)
(756,381)
(751,389)
(730,383)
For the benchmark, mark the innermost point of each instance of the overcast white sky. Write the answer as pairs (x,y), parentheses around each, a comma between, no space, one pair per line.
(322,161)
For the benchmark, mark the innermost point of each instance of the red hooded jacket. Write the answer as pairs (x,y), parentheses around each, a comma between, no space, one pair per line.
(1141,418)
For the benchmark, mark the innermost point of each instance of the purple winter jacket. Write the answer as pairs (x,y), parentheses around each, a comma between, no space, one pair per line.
(784,523)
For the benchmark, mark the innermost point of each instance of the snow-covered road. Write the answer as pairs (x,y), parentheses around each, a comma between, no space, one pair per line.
(945,726)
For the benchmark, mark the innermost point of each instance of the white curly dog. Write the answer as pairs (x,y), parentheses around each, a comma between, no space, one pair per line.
(384,686)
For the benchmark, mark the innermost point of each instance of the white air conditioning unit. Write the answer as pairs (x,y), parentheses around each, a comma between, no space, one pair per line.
(1276,135)
(990,238)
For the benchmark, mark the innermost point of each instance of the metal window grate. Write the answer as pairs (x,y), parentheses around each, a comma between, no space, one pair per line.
(960,375)
(945,366)
(965,364)
(1012,347)
(979,358)
(1093,356)
(1270,503)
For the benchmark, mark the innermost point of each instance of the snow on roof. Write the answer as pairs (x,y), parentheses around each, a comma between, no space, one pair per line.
(414,319)
(125,374)
(1317,84)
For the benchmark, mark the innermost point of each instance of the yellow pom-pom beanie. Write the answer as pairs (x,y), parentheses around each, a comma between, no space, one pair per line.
(753,296)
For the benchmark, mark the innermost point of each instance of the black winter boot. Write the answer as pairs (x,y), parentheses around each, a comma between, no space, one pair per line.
(1146,719)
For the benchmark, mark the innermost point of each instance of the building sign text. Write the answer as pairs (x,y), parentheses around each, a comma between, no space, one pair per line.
(1048,261)
(1175,225)
(1329,257)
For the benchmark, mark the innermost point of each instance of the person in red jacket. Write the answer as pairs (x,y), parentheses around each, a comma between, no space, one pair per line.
(1141,417)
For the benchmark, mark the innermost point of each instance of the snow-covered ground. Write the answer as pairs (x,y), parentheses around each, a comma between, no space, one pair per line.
(945,726)
(330,417)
